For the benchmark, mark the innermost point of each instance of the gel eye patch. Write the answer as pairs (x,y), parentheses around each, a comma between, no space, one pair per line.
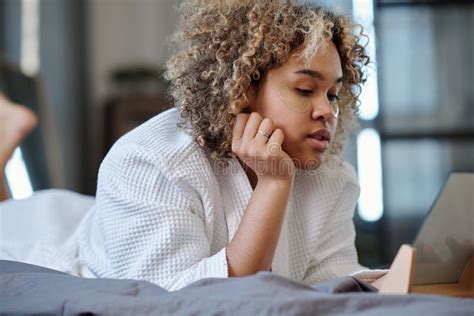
(293,100)
(300,103)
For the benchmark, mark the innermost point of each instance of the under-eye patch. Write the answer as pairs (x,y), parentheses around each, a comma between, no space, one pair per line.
(293,100)
(300,103)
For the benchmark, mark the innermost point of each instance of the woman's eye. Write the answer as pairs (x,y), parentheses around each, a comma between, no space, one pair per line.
(333,98)
(304,92)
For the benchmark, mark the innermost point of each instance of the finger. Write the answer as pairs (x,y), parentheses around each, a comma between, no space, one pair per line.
(277,136)
(275,142)
(266,126)
(252,126)
(239,126)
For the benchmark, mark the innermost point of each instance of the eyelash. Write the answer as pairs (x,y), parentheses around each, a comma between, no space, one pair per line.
(333,98)
(304,92)
(307,93)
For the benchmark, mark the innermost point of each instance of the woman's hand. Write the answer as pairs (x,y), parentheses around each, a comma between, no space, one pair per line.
(258,144)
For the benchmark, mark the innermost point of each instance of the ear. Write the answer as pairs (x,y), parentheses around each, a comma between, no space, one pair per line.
(246,110)
(248,105)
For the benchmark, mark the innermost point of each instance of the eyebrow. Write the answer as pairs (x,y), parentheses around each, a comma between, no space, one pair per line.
(315,74)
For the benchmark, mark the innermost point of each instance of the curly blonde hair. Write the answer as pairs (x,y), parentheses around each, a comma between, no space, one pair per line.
(225,47)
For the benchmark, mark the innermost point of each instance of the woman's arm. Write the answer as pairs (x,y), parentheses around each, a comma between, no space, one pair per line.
(254,244)
(258,145)
(147,224)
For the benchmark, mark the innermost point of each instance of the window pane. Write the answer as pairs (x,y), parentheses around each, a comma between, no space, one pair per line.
(416,170)
(426,67)
(414,173)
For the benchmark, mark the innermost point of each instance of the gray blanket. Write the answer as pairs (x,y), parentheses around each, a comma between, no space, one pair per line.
(27,289)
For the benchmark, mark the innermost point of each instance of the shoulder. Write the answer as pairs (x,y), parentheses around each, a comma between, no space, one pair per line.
(332,179)
(158,147)
(342,177)
(333,183)
(342,171)
(158,139)
(334,173)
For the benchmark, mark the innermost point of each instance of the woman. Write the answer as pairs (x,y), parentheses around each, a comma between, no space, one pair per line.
(265,95)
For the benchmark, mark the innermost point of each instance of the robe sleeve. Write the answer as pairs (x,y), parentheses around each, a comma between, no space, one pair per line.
(149,224)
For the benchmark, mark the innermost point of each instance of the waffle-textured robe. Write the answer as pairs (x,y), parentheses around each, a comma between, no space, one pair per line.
(165,213)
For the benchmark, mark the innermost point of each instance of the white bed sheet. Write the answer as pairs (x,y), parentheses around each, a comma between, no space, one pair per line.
(40,230)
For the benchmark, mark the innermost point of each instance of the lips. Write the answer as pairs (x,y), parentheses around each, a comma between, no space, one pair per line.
(320,139)
(321,134)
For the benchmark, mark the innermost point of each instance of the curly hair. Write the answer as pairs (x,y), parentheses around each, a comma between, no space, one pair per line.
(225,47)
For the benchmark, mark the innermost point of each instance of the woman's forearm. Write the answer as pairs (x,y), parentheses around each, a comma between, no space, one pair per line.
(254,244)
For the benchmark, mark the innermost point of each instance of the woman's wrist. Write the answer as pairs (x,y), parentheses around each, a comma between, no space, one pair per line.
(275,182)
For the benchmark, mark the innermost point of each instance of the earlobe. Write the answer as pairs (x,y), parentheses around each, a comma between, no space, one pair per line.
(246,110)
(243,105)
(248,100)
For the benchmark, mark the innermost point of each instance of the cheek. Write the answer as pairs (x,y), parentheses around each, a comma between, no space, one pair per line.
(283,117)
(270,104)
(292,128)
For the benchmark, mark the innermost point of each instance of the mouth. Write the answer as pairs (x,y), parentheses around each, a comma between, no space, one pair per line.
(320,139)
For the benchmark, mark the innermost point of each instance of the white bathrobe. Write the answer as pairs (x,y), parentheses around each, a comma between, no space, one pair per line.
(165,213)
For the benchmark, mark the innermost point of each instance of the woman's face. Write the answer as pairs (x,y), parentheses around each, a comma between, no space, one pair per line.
(301,99)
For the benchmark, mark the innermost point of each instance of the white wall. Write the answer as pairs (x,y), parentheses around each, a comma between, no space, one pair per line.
(123,32)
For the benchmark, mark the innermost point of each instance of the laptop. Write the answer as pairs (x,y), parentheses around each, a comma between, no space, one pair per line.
(445,242)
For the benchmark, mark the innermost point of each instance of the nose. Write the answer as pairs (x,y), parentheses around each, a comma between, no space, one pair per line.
(322,110)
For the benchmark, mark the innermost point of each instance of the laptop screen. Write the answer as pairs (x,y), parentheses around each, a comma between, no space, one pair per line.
(445,242)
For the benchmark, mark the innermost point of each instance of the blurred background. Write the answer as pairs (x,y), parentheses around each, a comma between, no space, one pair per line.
(92,70)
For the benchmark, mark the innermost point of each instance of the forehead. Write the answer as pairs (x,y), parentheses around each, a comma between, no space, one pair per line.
(326,60)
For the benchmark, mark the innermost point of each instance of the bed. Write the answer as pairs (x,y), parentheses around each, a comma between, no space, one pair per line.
(27,289)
